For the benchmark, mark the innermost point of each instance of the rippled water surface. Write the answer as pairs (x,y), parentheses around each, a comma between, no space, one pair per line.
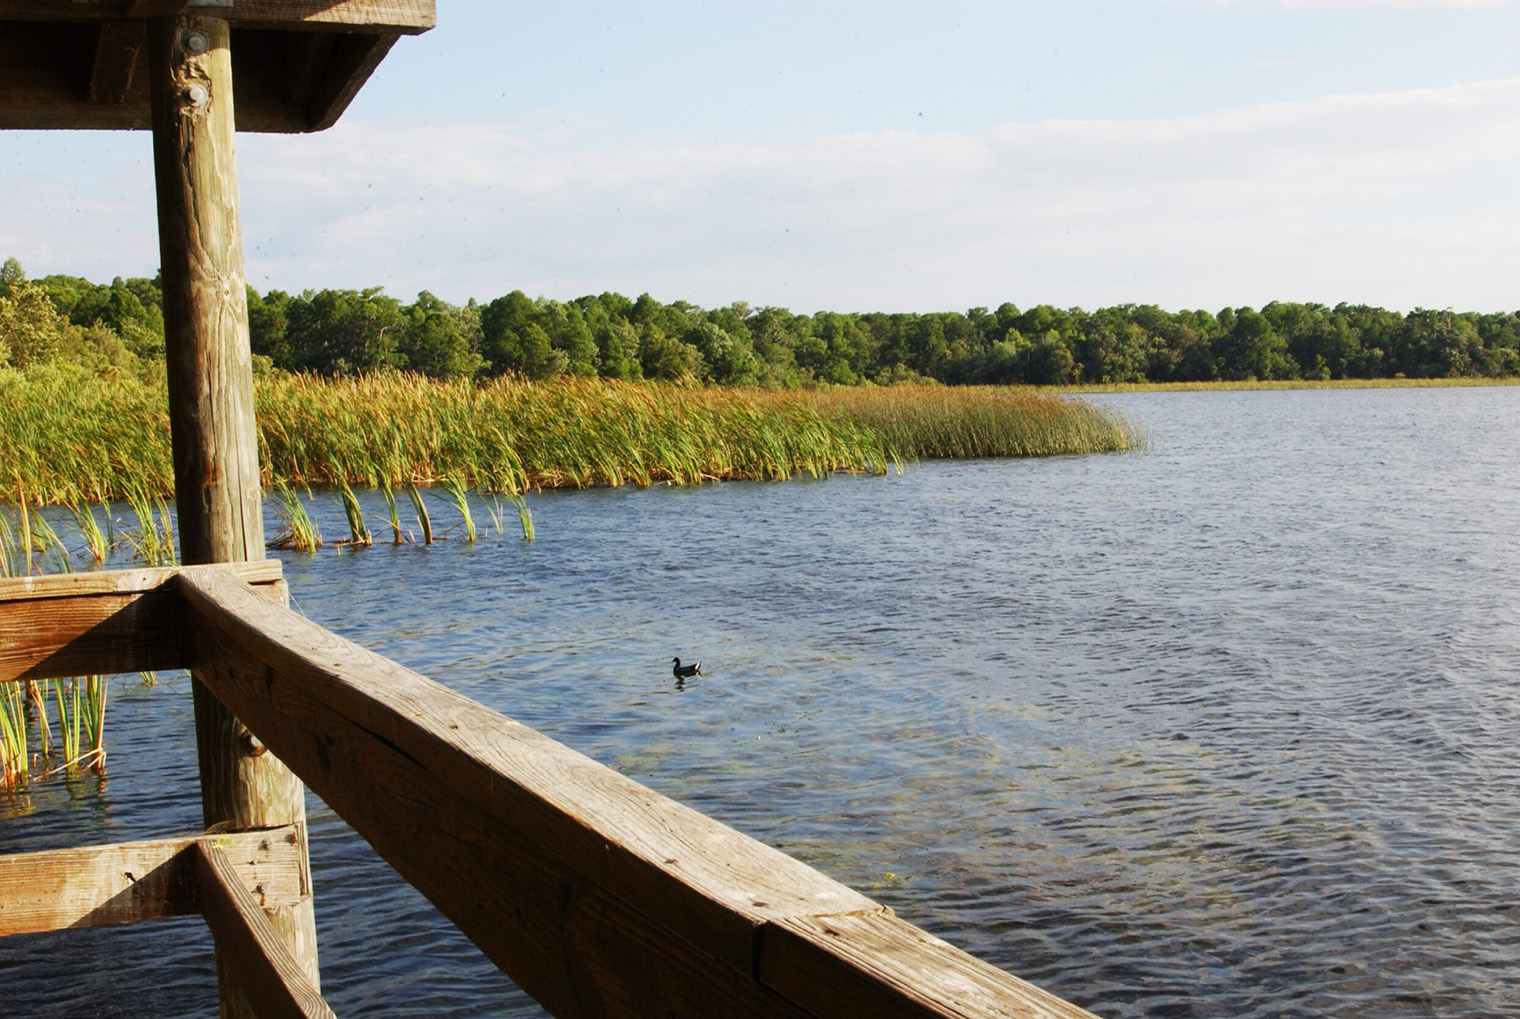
(1229,727)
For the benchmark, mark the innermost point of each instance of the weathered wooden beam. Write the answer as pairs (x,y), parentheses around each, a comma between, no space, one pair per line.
(80,624)
(839,967)
(596,895)
(350,67)
(211,423)
(271,981)
(215,444)
(115,59)
(94,886)
(156,8)
(405,16)
(47,586)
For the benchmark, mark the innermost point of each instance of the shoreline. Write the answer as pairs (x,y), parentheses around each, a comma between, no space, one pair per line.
(1255,384)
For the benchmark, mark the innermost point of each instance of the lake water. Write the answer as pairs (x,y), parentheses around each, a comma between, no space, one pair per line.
(1227,727)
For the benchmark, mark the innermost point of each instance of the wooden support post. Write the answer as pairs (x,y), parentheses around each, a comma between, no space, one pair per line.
(211,421)
(276,985)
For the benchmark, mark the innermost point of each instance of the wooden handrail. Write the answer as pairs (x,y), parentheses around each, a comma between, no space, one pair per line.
(128,882)
(74,624)
(596,895)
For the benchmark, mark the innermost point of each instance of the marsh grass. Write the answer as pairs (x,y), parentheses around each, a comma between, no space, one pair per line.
(96,539)
(153,541)
(357,529)
(92,440)
(9,565)
(1463,382)
(390,507)
(81,705)
(300,531)
(459,497)
(424,522)
(962,422)
(524,518)
(15,750)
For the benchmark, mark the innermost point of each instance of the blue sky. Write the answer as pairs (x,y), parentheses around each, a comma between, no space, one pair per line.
(872,156)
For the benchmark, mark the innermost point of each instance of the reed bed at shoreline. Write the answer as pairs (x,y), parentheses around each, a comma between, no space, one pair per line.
(963,422)
(1462,382)
(75,439)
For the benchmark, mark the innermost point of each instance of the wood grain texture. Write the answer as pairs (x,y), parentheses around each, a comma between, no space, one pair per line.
(596,895)
(98,634)
(75,73)
(130,581)
(356,58)
(407,16)
(86,623)
(115,61)
(211,423)
(93,886)
(271,981)
(215,442)
(879,965)
(155,8)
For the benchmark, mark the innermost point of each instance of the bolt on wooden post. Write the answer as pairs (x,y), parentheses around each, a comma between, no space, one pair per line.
(211,418)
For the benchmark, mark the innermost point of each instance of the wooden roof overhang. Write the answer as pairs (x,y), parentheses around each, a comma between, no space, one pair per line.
(297,64)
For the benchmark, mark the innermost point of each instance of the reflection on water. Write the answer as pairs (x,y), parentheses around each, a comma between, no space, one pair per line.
(1227,727)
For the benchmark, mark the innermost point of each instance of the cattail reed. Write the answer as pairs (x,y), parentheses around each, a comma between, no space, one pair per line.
(300,531)
(460,497)
(355,515)
(423,520)
(96,438)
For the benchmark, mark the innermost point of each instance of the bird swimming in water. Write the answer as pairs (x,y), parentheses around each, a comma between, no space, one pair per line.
(683,671)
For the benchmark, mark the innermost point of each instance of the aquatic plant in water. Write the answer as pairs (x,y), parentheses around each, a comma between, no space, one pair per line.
(81,704)
(300,532)
(354,514)
(390,506)
(423,520)
(459,496)
(14,749)
(92,439)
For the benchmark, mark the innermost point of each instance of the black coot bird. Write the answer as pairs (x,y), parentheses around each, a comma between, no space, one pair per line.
(684,671)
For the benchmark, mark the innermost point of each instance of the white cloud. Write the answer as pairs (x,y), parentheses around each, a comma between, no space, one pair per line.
(1398,199)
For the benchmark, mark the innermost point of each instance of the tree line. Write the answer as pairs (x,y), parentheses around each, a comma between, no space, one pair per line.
(119,326)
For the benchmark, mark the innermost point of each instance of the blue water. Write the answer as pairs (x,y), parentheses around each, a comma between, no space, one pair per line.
(1227,727)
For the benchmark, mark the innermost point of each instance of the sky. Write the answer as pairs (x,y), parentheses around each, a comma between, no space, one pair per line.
(871,156)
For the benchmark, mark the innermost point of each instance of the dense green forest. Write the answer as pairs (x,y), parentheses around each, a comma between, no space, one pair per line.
(119,327)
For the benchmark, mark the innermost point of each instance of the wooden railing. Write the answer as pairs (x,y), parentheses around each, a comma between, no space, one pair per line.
(598,896)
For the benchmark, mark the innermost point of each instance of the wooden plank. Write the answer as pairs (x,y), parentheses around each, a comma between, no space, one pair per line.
(102,634)
(211,422)
(80,624)
(93,886)
(156,8)
(838,967)
(269,978)
(406,16)
(129,581)
(348,70)
(115,60)
(595,894)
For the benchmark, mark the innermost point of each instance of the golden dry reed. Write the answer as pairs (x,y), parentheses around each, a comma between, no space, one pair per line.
(72,439)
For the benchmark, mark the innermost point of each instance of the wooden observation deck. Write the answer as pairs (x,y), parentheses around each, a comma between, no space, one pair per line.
(594,894)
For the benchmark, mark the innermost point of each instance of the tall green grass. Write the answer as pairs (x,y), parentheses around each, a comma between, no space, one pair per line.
(945,422)
(15,747)
(79,439)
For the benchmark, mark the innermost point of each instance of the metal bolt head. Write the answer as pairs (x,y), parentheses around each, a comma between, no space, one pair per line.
(195,43)
(197,96)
